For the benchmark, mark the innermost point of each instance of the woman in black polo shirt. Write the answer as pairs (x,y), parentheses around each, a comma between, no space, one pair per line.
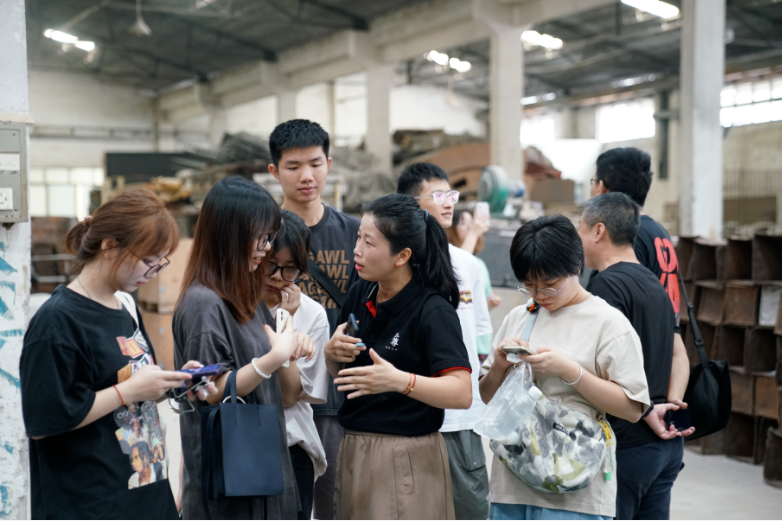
(411,365)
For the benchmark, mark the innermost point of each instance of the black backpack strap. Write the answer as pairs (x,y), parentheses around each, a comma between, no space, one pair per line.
(325,282)
(206,459)
(696,332)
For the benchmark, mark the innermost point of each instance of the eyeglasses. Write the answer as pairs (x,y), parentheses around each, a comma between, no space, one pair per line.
(153,268)
(267,240)
(439,197)
(548,292)
(288,273)
(594,181)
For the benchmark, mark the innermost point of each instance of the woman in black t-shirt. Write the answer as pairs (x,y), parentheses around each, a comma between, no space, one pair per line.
(411,365)
(89,376)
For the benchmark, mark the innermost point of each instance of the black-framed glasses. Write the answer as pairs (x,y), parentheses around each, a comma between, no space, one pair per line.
(267,240)
(548,291)
(288,273)
(594,181)
(440,197)
(153,268)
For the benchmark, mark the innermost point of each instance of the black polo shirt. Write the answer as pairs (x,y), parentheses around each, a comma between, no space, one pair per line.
(417,331)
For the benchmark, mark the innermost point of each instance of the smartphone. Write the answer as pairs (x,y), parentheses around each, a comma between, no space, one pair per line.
(282,320)
(680,419)
(516,350)
(482,210)
(352,327)
(200,373)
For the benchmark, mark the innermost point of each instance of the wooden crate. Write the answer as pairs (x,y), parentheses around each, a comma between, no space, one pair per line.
(737,263)
(766,401)
(760,350)
(740,437)
(772,470)
(711,444)
(711,302)
(778,368)
(703,262)
(769,304)
(158,326)
(766,258)
(694,294)
(740,303)
(710,341)
(762,426)
(742,391)
(684,248)
(731,345)
(160,294)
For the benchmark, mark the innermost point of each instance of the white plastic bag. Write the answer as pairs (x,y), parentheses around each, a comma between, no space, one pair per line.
(510,408)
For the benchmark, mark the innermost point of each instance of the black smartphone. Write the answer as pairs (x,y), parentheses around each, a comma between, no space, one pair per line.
(680,419)
(352,328)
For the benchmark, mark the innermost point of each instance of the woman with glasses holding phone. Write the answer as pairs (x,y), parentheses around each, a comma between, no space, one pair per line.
(89,374)
(221,318)
(586,357)
(309,376)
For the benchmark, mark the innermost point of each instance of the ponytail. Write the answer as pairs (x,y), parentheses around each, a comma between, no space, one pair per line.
(405,225)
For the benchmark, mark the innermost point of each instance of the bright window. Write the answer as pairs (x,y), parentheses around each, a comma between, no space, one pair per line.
(751,103)
(63,192)
(625,121)
(538,128)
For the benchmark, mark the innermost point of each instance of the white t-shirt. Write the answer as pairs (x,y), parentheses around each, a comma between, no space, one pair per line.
(311,319)
(603,342)
(473,312)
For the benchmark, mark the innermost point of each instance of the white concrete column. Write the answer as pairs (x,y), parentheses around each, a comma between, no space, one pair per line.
(14,278)
(700,156)
(218,123)
(378,138)
(506,63)
(286,105)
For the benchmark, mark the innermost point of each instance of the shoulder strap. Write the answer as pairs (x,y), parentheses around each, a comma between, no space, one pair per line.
(129,304)
(533,316)
(325,282)
(206,458)
(696,332)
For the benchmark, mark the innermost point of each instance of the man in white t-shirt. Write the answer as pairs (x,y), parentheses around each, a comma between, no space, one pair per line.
(429,184)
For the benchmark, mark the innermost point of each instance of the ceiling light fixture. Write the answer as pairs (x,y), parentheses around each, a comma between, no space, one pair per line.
(459,65)
(59,36)
(139,27)
(534,38)
(440,58)
(655,7)
(531,100)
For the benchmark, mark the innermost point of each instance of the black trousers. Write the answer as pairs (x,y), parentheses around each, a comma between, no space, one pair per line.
(304,470)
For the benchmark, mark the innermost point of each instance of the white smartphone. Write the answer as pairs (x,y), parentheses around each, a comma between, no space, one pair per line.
(282,320)
(482,210)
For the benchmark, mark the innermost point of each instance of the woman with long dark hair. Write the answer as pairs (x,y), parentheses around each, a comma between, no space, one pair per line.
(89,374)
(221,319)
(407,366)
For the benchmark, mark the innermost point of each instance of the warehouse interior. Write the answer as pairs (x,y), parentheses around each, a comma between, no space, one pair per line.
(175,95)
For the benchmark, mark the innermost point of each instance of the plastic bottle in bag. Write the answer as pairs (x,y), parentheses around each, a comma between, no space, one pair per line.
(521,412)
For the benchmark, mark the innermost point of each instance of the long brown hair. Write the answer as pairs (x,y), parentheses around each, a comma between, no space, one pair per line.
(137,221)
(453,237)
(236,212)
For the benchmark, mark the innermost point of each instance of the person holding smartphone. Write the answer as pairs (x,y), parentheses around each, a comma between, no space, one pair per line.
(287,263)
(90,382)
(408,365)
(649,454)
(221,318)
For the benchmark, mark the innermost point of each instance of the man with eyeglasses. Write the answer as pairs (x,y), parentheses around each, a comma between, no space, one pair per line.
(429,185)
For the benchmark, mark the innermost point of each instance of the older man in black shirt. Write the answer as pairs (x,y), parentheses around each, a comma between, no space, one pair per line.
(649,456)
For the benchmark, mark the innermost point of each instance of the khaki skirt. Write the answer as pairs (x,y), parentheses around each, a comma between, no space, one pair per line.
(380,476)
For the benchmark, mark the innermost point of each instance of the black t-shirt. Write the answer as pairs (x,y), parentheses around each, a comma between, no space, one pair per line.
(115,467)
(331,247)
(654,249)
(417,331)
(634,290)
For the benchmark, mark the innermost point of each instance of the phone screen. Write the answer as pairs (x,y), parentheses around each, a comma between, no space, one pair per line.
(352,327)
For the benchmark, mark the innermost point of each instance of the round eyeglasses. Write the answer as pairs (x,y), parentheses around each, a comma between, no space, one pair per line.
(154,269)
(288,273)
(266,240)
(548,291)
(440,197)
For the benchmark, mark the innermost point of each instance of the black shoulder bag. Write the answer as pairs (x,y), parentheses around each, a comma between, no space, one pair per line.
(325,282)
(240,449)
(708,395)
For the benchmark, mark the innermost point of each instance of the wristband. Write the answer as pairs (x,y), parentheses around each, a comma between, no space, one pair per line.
(121,399)
(580,374)
(410,384)
(260,373)
(409,381)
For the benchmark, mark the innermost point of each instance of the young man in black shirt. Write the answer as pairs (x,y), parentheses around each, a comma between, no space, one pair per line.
(628,170)
(300,163)
(647,465)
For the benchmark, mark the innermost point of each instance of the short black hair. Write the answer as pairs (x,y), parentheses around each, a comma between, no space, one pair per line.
(546,248)
(297,133)
(626,170)
(295,235)
(414,176)
(618,213)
